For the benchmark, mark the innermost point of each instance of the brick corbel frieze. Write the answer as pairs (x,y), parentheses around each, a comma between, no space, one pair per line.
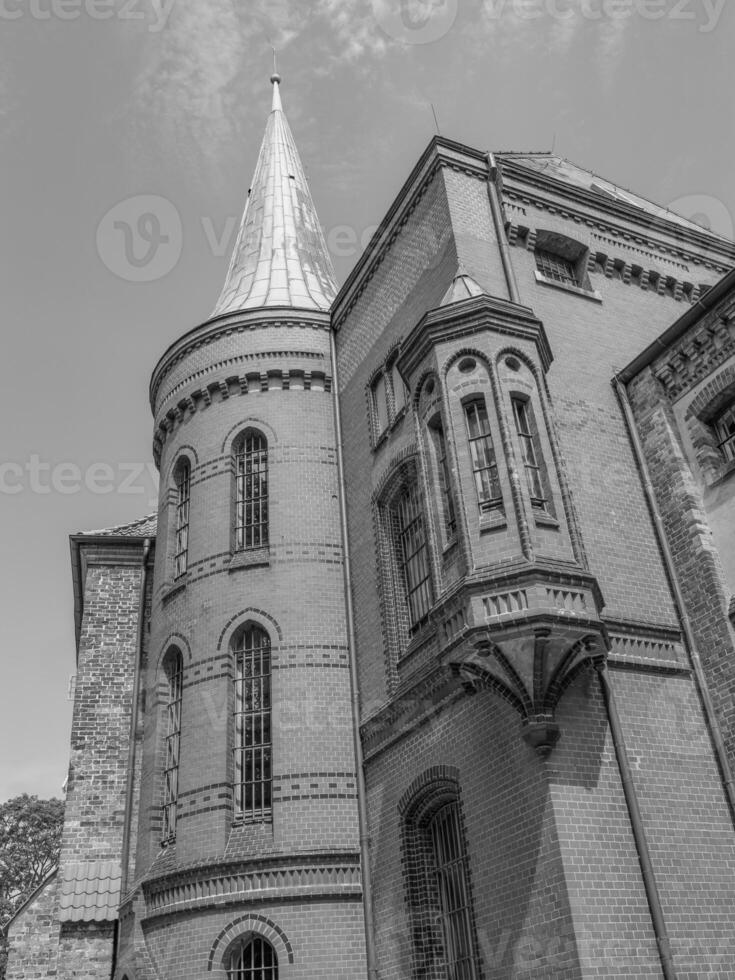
(303,878)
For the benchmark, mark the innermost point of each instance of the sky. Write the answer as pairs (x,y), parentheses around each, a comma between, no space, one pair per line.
(129,131)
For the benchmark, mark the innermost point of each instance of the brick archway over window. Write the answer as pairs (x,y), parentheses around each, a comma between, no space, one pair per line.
(242,927)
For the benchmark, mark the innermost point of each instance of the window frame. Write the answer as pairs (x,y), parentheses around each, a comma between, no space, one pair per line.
(412,551)
(250,462)
(443,476)
(441,927)
(250,748)
(532,456)
(725,438)
(174,671)
(182,485)
(479,467)
(243,971)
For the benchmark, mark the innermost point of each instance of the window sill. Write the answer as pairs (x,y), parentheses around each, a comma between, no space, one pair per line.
(577,290)
(385,434)
(173,588)
(449,546)
(723,474)
(249,558)
(493,520)
(543,519)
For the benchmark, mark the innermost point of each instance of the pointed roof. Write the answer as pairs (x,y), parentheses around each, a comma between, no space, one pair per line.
(280,256)
(461,287)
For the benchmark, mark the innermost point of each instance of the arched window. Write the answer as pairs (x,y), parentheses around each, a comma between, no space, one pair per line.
(174,669)
(450,873)
(437,882)
(252,724)
(253,960)
(251,491)
(183,491)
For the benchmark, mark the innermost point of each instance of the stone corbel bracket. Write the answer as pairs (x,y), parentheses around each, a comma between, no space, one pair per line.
(531,674)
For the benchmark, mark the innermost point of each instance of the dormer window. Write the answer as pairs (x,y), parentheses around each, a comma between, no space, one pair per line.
(725,429)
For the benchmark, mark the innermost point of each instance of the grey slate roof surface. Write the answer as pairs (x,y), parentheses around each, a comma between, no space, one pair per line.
(90,891)
(144,527)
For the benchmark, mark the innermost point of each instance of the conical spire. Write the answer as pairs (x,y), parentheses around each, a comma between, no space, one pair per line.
(280,256)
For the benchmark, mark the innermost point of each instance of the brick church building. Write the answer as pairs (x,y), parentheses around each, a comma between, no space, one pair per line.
(425,668)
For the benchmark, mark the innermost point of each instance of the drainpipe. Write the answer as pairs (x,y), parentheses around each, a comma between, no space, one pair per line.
(497,213)
(362,817)
(134,721)
(694,659)
(636,822)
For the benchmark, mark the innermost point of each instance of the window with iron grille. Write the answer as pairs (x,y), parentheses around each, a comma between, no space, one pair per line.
(556,267)
(251,491)
(380,412)
(253,960)
(437,431)
(175,675)
(183,491)
(450,873)
(530,450)
(413,556)
(725,429)
(482,452)
(252,742)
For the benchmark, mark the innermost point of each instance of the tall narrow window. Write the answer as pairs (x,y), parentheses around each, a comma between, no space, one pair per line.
(251,495)
(399,390)
(183,491)
(413,556)
(254,960)
(380,406)
(450,872)
(528,437)
(440,445)
(725,428)
(482,452)
(175,676)
(253,725)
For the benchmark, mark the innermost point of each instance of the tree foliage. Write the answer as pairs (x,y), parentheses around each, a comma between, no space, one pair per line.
(30,838)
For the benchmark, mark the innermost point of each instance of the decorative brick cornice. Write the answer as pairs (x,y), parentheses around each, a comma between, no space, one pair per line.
(303,878)
(697,354)
(220,389)
(234,323)
(465,319)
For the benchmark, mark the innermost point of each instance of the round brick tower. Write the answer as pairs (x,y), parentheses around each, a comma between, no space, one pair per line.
(247,851)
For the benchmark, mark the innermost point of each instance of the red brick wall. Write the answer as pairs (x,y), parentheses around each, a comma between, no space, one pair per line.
(33,937)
